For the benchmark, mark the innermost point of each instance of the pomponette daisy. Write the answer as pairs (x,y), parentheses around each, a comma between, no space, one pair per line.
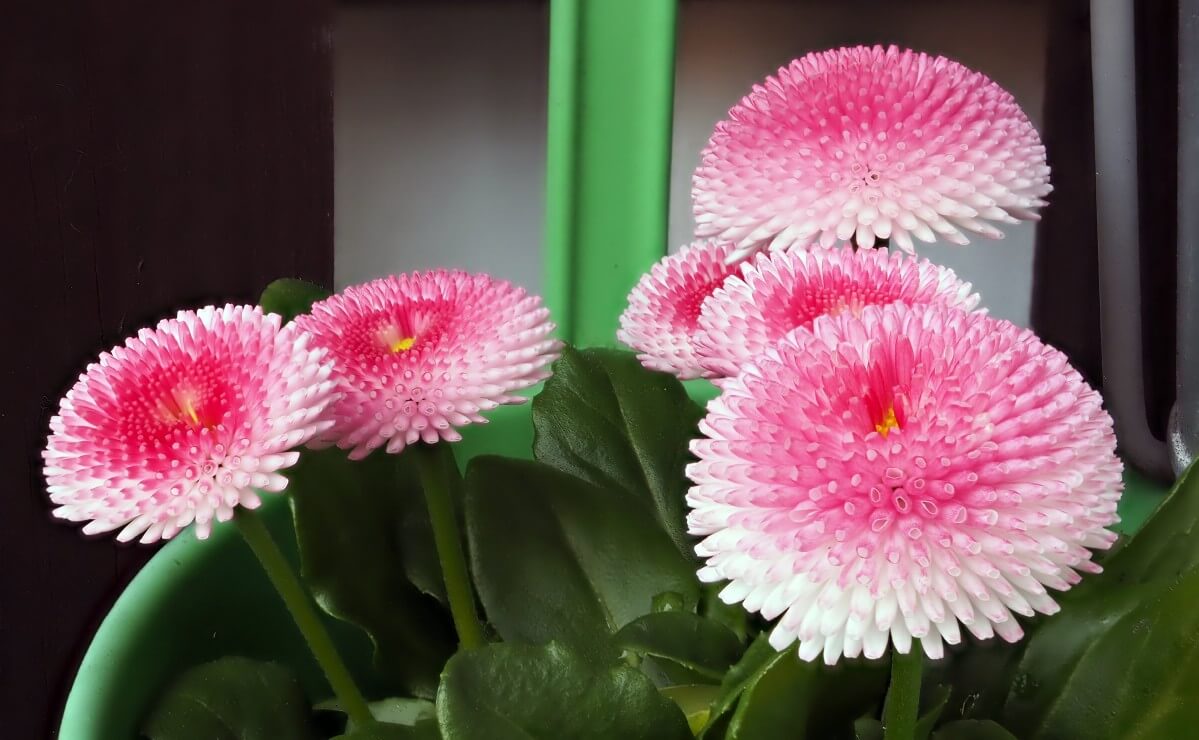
(661,319)
(421,354)
(184,421)
(869,143)
(782,290)
(894,475)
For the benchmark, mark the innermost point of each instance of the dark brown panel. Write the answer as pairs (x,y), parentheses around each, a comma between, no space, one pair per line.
(1065,297)
(152,156)
(1065,307)
(1157,125)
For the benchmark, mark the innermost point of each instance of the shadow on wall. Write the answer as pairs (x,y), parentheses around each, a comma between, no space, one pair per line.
(440,120)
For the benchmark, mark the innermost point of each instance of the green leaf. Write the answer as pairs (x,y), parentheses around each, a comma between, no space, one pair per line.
(776,705)
(1164,546)
(403,711)
(928,720)
(396,710)
(1117,657)
(347,517)
(556,558)
(604,418)
(830,697)
(973,729)
(665,673)
(232,699)
(698,644)
(418,551)
(868,728)
(736,681)
(732,616)
(695,701)
(668,601)
(1135,679)
(979,674)
(289,297)
(522,692)
(423,730)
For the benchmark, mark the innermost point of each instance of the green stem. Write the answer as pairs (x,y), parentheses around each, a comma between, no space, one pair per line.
(902,708)
(437,473)
(296,599)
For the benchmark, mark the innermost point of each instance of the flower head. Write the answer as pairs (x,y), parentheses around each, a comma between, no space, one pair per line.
(869,143)
(782,290)
(419,355)
(664,307)
(892,475)
(184,421)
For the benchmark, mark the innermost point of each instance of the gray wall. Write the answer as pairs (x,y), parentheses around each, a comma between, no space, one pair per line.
(440,120)
(439,130)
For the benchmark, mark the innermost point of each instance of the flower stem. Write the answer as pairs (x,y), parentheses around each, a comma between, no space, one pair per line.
(438,474)
(903,697)
(280,572)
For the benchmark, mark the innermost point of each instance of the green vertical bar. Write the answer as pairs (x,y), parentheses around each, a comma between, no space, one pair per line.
(560,164)
(611,99)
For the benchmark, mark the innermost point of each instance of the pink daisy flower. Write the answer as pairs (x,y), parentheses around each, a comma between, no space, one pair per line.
(900,473)
(869,143)
(785,289)
(184,421)
(664,307)
(421,354)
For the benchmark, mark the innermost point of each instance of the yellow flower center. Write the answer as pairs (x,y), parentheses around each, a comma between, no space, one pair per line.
(888,423)
(183,408)
(189,408)
(394,339)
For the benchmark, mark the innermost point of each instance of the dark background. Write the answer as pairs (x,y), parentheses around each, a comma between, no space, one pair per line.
(163,155)
(153,156)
